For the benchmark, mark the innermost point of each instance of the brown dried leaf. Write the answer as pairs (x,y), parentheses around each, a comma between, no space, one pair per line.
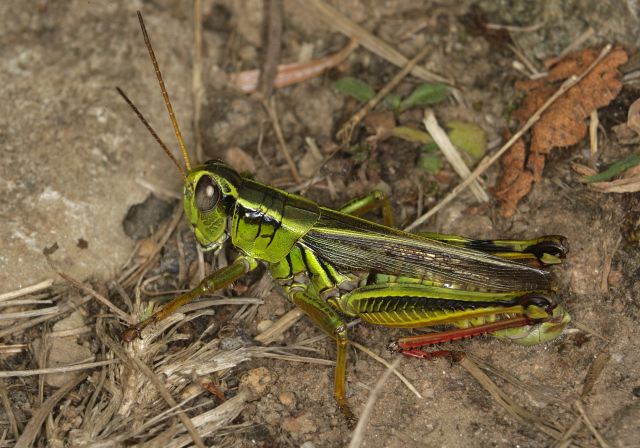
(624,185)
(563,124)
(633,116)
(583,170)
(629,183)
(515,182)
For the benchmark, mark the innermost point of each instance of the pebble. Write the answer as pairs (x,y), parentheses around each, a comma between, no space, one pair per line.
(264,325)
(302,424)
(287,399)
(257,380)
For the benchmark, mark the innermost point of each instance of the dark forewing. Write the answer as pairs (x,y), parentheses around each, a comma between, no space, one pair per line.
(355,244)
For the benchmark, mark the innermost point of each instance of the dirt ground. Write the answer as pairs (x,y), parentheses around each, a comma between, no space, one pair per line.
(75,160)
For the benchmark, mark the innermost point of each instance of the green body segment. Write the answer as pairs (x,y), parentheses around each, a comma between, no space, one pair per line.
(333,264)
(266,223)
(363,269)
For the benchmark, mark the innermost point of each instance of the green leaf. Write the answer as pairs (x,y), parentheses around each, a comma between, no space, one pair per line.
(469,137)
(392,101)
(429,147)
(430,162)
(412,135)
(424,94)
(359,90)
(616,168)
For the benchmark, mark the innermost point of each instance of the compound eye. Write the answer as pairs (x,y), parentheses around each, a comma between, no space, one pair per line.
(207,194)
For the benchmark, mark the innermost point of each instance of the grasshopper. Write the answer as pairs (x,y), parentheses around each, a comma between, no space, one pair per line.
(334,265)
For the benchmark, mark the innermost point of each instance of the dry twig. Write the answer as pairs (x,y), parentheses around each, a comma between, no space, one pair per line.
(382,361)
(548,427)
(99,297)
(451,153)
(270,107)
(120,352)
(490,160)
(39,416)
(341,23)
(59,369)
(358,433)
(196,80)
(346,130)
(26,290)
(272,333)
(272,42)
(587,421)
(14,425)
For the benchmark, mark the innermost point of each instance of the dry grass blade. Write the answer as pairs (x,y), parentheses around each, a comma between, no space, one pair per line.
(594,122)
(32,313)
(594,372)
(548,427)
(272,333)
(345,132)
(625,185)
(606,265)
(270,107)
(565,440)
(400,376)
(451,153)
(39,416)
(26,290)
(546,393)
(272,42)
(196,80)
(142,367)
(64,308)
(338,21)
(208,422)
(99,297)
(587,421)
(15,427)
(358,433)
(490,160)
(61,369)
(129,277)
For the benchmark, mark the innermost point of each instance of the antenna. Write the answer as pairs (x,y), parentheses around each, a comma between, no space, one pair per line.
(165,95)
(150,129)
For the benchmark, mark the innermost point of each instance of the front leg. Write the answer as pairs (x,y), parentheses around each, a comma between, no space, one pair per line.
(217,280)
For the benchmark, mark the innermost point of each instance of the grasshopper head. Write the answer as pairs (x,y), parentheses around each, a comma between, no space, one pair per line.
(210,191)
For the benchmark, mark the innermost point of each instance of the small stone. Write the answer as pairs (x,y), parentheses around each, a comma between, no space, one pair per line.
(143,218)
(264,325)
(190,391)
(287,399)
(146,248)
(302,424)
(62,352)
(257,380)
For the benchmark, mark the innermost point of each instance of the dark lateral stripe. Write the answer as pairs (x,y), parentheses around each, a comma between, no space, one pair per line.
(326,270)
(278,220)
(290,264)
(303,252)
(407,303)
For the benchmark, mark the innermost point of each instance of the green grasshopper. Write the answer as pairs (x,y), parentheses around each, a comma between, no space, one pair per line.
(334,265)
